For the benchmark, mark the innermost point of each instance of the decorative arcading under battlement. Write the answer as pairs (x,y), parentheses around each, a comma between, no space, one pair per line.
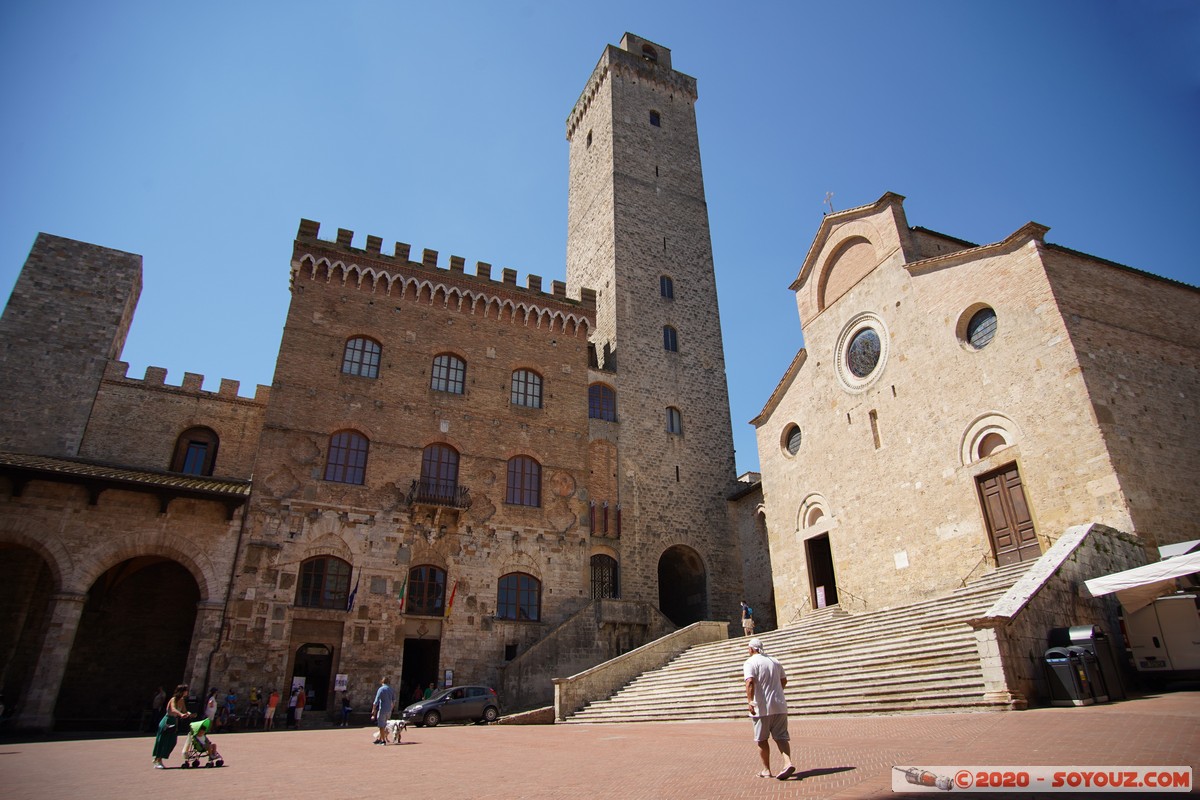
(397,276)
(156,379)
(618,61)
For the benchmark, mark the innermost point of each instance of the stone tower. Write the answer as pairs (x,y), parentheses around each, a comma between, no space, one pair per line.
(638,234)
(69,314)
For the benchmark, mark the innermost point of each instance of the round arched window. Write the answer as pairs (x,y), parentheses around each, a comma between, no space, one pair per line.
(990,443)
(982,328)
(863,354)
(791,439)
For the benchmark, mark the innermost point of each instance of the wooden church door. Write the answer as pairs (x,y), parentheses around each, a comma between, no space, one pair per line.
(1009,523)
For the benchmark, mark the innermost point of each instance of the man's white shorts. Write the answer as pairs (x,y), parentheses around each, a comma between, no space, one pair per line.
(773,725)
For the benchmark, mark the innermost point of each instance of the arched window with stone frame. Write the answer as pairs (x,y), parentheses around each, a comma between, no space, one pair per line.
(195,451)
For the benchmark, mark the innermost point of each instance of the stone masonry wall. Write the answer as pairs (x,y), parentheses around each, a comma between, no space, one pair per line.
(163,412)
(1012,634)
(890,464)
(1139,353)
(71,307)
(636,212)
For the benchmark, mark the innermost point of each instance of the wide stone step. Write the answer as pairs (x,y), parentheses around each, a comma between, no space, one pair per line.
(730,695)
(930,645)
(920,658)
(968,699)
(961,606)
(859,670)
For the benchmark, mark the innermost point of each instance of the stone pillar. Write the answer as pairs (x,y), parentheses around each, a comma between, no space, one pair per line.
(999,680)
(206,638)
(37,709)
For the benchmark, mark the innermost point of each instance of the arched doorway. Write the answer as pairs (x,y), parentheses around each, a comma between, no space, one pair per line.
(314,663)
(821,577)
(25,588)
(682,585)
(134,635)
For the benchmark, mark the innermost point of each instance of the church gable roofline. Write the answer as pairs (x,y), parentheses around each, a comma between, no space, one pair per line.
(832,222)
(781,388)
(1030,231)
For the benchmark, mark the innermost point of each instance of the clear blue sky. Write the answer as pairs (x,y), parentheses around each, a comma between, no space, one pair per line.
(198,135)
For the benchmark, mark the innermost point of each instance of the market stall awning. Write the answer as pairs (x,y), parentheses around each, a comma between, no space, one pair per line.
(1139,587)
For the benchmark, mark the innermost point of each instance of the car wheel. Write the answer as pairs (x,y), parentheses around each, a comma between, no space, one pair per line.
(432,719)
(491,714)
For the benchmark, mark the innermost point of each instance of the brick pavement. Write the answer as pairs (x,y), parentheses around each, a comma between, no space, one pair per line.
(839,757)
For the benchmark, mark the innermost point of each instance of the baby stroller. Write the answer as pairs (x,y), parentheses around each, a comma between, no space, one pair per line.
(198,744)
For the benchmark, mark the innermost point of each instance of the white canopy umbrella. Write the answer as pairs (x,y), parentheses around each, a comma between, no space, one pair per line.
(1140,587)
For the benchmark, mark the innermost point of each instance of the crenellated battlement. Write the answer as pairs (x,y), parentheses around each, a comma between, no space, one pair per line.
(397,274)
(156,378)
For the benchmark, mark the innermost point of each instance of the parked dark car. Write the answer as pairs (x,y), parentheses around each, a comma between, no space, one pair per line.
(456,704)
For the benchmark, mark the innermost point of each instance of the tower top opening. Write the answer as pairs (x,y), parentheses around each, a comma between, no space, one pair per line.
(646,49)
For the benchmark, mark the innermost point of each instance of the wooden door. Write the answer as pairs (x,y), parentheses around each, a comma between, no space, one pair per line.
(1009,523)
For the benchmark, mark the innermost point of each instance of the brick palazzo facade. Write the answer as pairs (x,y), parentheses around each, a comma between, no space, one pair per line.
(452,477)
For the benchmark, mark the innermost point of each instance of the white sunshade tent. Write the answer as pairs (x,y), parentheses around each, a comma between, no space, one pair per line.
(1137,588)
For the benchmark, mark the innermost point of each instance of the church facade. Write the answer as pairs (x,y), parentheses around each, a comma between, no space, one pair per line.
(453,478)
(958,407)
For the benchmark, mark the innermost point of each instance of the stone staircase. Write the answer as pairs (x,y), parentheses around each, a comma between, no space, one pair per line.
(920,658)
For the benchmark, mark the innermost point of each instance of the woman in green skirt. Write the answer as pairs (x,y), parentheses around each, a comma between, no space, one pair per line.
(171,724)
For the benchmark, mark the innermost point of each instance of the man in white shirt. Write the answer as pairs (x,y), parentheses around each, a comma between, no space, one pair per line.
(765,681)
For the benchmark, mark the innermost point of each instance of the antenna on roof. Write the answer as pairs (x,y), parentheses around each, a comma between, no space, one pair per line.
(829,201)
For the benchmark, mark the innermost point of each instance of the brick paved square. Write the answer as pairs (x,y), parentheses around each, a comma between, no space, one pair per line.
(838,757)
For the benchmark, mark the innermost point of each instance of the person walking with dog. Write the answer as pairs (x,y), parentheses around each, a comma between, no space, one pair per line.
(381,709)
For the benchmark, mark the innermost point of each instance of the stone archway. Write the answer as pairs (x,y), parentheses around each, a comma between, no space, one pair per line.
(134,635)
(26,588)
(682,585)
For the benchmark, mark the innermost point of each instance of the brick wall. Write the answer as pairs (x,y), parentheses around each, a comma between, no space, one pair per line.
(296,514)
(163,412)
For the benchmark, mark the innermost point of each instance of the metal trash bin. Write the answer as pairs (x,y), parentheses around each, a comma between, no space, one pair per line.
(1093,639)
(1067,678)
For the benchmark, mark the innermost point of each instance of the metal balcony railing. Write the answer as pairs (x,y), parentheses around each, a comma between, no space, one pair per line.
(444,494)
